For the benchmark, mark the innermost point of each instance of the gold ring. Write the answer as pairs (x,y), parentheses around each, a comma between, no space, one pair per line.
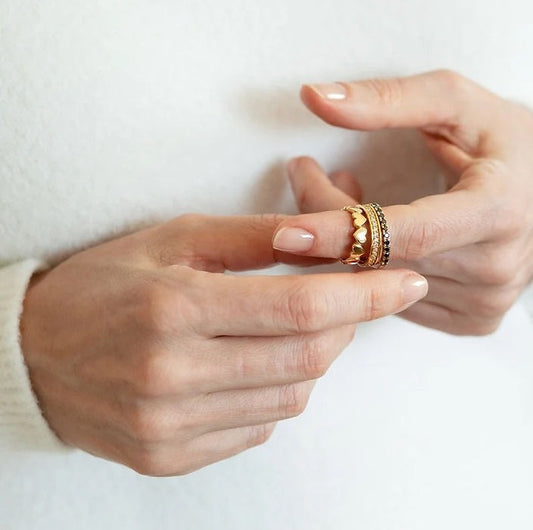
(371,246)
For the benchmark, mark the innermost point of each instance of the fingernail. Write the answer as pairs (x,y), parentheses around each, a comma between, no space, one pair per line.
(332,91)
(414,288)
(293,240)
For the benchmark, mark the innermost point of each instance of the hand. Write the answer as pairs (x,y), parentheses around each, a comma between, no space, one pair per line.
(473,243)
(142,352)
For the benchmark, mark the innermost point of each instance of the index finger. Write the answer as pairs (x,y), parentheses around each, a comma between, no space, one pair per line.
(439,98)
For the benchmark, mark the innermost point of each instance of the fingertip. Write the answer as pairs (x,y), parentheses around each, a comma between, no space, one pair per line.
(308,96)
(331,102)
(293,239)
(414,288)
(321,235)
(292,166)
(316,103)
(302,165)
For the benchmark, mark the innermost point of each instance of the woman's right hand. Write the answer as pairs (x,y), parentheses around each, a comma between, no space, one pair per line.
(140,351)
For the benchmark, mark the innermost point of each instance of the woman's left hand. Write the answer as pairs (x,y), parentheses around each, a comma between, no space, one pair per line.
(474,243)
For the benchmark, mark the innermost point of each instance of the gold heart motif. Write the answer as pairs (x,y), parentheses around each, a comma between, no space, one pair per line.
(357,250)
(358,218)
(360,235)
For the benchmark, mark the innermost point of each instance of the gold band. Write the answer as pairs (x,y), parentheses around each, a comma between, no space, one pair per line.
(384,235)
(371,246)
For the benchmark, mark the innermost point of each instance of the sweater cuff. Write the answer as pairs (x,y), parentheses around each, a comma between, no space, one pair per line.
(22,425)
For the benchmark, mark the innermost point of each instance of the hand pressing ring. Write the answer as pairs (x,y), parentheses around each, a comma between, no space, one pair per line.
(141,351)
(473,243)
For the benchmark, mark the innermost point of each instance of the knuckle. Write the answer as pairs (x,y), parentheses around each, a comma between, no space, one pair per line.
(147,462)
(487,264)
(313,360)
(153,307)
(494,274)
(484,328)
(258,435)
(509,230)
(388,91)
(146,426)
(492,305)
(160,306)
(183,229)
(151,375)
(497,171)
(376,303)
(452,80)
(421,238)
(462,324)
(292,400)
(304,309)
(179,461)
(266,220)
(506,232)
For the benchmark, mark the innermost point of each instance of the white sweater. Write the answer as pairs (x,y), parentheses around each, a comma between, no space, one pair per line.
(115,115)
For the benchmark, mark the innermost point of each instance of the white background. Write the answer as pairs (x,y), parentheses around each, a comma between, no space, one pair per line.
(117,114)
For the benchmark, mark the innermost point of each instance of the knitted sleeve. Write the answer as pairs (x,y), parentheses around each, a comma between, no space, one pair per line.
(22,426)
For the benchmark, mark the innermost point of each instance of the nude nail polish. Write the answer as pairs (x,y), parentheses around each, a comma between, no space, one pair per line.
(331,91)
(414,287)
(294,240)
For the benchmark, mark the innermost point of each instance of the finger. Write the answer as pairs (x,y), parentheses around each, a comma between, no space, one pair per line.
(346,182)
(423,228)
(216,446)
(456,264)
(477,265)
(312,188)
(444,319)
(287,305)
(232,363)
(241,408)
(218,364)
(477,303)
(453,159)
(442,101)
(173,422)
(172,459)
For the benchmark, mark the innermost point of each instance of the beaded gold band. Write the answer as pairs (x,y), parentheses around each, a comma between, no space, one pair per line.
(371,246)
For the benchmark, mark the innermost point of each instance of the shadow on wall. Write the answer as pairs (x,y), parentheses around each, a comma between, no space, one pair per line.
(393,166)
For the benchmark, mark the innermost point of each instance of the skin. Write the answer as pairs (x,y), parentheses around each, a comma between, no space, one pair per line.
(474,243)
(141,351)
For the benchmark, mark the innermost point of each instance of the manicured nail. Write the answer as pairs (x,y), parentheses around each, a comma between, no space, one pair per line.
(332,91)
(293,240)
(414,288)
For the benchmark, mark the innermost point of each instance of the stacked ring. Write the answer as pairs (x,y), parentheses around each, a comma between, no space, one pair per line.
(360,223)
(385,235)
(373,251)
